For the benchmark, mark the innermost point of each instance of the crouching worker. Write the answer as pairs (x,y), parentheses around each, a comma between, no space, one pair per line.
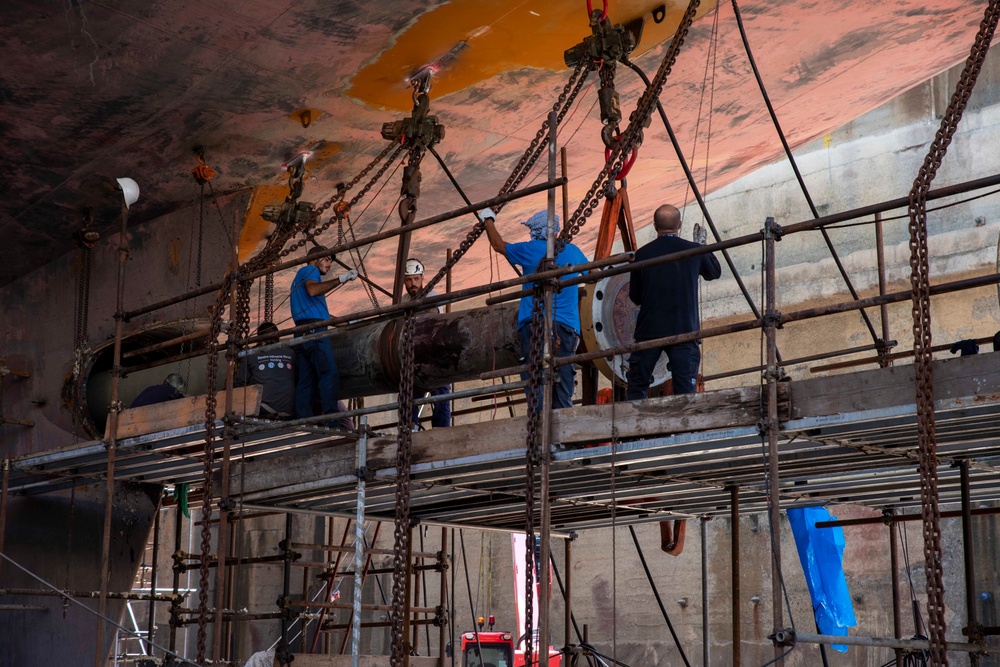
(274,370)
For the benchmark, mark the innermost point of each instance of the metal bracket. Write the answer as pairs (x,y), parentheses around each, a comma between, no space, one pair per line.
(366,473)
(608,43)
(975,632)
(772,230)
(783,637)
(440,617)
(776,373)
(774,320)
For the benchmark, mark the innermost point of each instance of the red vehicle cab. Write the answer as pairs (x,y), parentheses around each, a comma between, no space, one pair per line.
(490,649)
(497,649)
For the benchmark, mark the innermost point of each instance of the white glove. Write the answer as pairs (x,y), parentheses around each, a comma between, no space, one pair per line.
(346,277)
(700,234)
(486,214)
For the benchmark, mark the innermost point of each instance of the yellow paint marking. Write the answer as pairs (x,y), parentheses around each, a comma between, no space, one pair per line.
(500,37)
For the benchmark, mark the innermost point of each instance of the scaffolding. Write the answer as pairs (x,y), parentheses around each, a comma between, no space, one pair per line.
(814,450)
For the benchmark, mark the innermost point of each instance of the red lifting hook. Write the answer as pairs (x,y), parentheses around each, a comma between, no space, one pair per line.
(627,167)
(590,10)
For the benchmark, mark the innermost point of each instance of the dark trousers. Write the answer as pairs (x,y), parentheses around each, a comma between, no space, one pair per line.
(317,372)
(684,360)
(562,388)
(440,411)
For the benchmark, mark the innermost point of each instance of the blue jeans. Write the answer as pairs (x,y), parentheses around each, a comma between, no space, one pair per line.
(684,361)
(562,387)
(317,371)
(440,411)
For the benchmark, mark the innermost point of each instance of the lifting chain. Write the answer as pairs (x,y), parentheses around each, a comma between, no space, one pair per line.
(923,358)
(201,234)
(401,533)
(611,112)
(533,453)
(80,323)
(410,191)
(269,297)
(209,461)
(240,320)
(632,136)
(521,169)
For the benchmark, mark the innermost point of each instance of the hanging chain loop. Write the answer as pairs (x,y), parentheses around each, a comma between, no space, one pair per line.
(923,358)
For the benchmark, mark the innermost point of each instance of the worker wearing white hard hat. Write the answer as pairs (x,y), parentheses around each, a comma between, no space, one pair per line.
(413,282)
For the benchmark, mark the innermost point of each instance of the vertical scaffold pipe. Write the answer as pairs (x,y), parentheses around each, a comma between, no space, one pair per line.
(359,543)
(897,621)
(546,436)
(734,517)
(773,502)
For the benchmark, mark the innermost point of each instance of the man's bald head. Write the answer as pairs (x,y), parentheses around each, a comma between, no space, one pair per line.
(667,219)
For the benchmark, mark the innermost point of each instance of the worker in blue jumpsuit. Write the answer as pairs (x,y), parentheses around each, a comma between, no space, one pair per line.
(317,368)
(565,302)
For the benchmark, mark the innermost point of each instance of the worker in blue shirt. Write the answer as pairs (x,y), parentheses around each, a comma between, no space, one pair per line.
(565,303)
(317,368)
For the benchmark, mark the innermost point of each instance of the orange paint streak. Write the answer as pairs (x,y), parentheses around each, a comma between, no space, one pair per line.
(501,36)
(256,228)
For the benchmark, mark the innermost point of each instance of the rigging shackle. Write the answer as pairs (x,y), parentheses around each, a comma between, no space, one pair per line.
(600,18)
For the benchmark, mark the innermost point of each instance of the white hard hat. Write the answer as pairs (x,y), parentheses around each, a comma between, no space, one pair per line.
(414,268)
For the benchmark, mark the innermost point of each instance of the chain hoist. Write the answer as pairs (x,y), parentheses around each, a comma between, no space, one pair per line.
(922,350)
(416,132)
(240,320)
(528,159)
(86,237)
(632,136)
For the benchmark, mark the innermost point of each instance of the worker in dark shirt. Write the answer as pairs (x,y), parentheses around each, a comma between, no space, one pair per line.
(274,370)
(172,387)
(667,296)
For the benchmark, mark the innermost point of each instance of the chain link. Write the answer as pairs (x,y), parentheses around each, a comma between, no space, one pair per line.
(400,564)
(923,357)
(632,136)
(240,328)
(269,297)
(531,459)
(342,209)
(521,169)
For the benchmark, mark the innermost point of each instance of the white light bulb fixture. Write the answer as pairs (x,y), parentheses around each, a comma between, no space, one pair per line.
(129,189)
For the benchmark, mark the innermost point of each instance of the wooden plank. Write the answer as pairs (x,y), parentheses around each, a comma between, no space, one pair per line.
(726,408)
(975,376)
(182,412)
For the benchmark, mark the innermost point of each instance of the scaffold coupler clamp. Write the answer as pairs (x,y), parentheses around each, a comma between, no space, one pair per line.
(774,320)
(975,632)
(365,474)
(783,637)
(772,230)
(776,373)
(440,617)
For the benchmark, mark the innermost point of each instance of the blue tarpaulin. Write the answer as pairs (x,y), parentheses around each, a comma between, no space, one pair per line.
(821,552)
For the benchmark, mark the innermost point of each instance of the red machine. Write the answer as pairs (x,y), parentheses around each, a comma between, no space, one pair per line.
(497,649)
